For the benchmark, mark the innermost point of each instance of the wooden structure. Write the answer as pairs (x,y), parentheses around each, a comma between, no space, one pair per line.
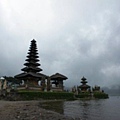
(31,72)
(84,87)
(3,83)
(57,82)
(96,88)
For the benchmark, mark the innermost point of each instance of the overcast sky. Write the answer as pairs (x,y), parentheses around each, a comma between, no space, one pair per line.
(74,37)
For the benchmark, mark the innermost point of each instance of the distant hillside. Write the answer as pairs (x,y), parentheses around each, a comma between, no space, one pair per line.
(112,90)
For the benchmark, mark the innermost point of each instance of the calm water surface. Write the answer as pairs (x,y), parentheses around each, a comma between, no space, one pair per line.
(102,109)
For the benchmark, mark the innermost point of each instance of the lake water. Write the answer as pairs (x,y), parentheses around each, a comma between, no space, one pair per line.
(102,109)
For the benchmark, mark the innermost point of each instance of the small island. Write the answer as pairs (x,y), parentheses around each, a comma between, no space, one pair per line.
(31,84)
(85,91)
(24,95)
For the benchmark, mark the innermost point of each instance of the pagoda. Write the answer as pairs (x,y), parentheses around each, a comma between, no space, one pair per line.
(31,72)
(84,87)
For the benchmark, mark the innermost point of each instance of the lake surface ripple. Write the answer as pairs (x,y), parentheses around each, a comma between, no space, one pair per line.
(99,109)
(102,109)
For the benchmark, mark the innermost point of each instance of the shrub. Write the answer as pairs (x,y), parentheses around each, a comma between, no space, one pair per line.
(32,95)
(100,95)
(83,95)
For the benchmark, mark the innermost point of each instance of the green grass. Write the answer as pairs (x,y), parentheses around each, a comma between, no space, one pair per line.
(83,95)
(100,95)
(34,95)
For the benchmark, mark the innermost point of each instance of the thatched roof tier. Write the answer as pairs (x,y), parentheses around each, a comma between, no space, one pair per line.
(83,78)
(31,63)
(27,69)
(30,74)
(32,59)
(58,76)
(33,52)
(32,56)
(83,81)
(84,86)
(33,49)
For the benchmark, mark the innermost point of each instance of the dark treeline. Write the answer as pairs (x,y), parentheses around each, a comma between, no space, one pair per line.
(12,80)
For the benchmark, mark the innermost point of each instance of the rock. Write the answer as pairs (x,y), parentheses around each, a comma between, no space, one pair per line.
(28,110)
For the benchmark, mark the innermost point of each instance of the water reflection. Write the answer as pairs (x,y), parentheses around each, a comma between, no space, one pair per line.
(104,109)
(85,109)
(57,106)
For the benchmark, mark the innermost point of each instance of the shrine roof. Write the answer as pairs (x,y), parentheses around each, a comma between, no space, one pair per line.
(58,76)
(30,74)
(84,86)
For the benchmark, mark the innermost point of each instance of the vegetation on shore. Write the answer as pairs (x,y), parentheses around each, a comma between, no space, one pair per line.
(39,95)
(99,95)
(35,95)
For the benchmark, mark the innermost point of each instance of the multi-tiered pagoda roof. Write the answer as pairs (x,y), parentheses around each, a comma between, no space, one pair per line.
(31,69)
(84,85)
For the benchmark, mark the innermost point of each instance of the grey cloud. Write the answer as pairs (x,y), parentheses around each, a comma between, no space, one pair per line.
(81,38)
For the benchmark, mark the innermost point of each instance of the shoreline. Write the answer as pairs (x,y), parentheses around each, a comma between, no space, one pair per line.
(28,110)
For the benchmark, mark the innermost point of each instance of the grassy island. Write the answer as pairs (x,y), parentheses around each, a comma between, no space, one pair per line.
(94,95)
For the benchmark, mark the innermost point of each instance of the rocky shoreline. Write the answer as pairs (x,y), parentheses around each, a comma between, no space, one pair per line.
(28,110)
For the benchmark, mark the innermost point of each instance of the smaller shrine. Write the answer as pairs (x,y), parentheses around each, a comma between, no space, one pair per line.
(85,91)
(56,81)
(84,87)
